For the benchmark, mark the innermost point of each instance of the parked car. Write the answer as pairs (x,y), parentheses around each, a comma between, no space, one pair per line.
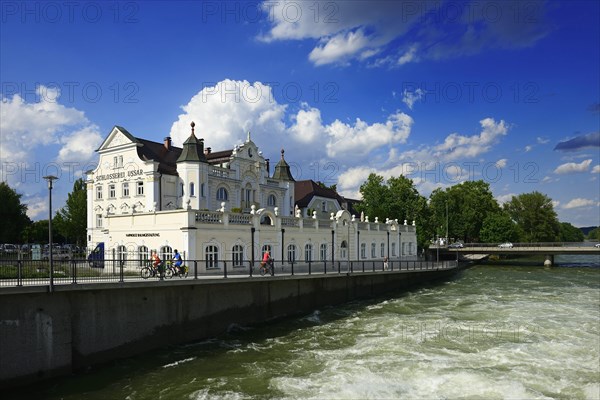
(10,248)
(506,245)
(597,245)
(456,245)
(57,254)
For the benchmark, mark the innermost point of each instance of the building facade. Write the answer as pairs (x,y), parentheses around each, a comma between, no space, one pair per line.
(224,205)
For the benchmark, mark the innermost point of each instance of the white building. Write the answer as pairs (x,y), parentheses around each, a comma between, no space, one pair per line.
(216,206)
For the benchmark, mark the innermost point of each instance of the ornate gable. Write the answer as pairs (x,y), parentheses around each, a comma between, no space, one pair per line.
(118,137)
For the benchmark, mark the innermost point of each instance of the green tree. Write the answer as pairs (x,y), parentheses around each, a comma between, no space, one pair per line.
(71,220)
(594,234)
(375,198)
(570,233)
(464,206)
(534,214)
(36,232)
(499,227)
(13,215)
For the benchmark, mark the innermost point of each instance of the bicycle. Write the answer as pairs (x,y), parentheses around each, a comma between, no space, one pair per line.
(149,271)
(171,270)
(266,267)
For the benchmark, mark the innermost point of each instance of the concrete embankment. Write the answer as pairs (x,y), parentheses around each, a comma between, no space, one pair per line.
(46,334)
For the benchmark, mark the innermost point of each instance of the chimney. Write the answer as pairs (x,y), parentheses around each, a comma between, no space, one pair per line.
(207,151)
(168,143)
(268,162)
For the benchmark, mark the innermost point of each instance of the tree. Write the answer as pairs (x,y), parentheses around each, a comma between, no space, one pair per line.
(13,215)
(535,216)
(465,206)
(594,234)
(570,233)
(499,227)
(71,220)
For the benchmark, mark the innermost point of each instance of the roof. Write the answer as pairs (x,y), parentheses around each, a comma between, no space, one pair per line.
(153,151)
(217,157)
(304,191)
(282,170)
(193,150)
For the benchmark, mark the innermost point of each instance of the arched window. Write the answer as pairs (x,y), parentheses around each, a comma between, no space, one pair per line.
(265,248)
(166,253)
(323,252)
(382,247)
(143,255)
(192,189)
(344,250)
(122,254)
(222,194)
(373,249)
(363,250)
(237,255)
(291,253)
(266,220)
(308,252)
(272,200)
(211,256)
(393,249)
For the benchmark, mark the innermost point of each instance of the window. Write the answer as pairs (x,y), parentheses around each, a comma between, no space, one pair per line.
(363,250)
(291,253)
(272,200)
(192,191)
(323,252)
(202,190)
(98,220)
(115,162)
(98,192)
(144,255)
(403,249)
(266,247)
(181,187)
(382,247)
(308,252)
(324,206)
(125,189)
(122,254)
(139,188)
(222,194)
(373,249)
(410,248)
(344,250)
(237,255)
(121,161)
(393,249)
(112,192)
(165,253)
(211,256)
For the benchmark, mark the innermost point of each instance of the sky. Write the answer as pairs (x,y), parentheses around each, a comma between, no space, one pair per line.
(438,91)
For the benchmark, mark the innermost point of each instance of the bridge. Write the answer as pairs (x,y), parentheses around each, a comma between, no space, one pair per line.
(549,250)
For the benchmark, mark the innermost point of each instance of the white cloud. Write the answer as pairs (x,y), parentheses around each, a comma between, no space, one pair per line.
(555,203)
(43,137)
(403,32)
(596,169)
(528,148)
(579,202)
(409,98)
(501,163)
(542,140)
(569,168)
(504,198)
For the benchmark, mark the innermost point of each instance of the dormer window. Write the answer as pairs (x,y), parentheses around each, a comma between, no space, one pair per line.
(250,152)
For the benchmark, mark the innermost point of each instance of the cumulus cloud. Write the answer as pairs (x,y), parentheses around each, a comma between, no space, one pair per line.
(501,163)
(41,137)
(409,97)
(591,140)
(569,168)
(505,198)
(223,114)
(579,202)
(596,169)
(402,32)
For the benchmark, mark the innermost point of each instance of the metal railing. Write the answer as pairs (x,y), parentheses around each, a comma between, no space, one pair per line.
(24,272)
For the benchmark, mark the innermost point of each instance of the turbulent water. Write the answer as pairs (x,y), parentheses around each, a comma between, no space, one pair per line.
(491,333)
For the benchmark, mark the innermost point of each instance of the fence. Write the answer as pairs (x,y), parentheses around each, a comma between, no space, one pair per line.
(24,272)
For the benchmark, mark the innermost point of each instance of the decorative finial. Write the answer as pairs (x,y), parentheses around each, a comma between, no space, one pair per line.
(248,137)
(192,125)
(282,151)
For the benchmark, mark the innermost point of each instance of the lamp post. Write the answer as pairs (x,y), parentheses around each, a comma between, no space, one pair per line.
(50,179)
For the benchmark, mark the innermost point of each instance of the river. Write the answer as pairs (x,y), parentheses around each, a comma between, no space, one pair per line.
(494,332)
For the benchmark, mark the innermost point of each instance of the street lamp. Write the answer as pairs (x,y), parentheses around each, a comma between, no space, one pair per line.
(50,179)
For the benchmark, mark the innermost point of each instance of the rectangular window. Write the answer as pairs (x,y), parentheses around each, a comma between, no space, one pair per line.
(121,161)
(139,188)
(382,250)
(393,249)
(125,189)
(112,192)
(363,250)
(115,162)
(98,192)
(372,250)
(323,252)
(98,220)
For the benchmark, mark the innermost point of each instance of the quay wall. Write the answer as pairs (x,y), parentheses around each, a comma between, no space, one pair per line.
(45,334)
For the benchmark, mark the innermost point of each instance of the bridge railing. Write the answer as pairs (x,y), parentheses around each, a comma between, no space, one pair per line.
(18,273)
(529,245)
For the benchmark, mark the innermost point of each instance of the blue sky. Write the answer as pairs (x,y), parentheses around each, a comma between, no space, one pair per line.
(441,91)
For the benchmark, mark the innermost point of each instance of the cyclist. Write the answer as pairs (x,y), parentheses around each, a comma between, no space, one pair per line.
(177,262)
(267,262)
(156,262)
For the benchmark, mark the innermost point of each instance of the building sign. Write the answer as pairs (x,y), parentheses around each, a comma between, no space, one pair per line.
(142,234)
(120,175)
